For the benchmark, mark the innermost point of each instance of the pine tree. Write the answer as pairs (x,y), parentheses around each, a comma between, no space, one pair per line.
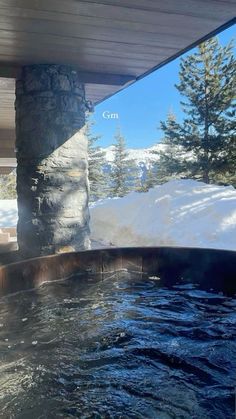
(96,160)
(151,176)
(208,83)
(122,176)
(173,160)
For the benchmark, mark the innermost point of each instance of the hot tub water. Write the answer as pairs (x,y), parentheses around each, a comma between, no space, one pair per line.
(122,347)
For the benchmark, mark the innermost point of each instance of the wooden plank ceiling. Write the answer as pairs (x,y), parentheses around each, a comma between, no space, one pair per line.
(112,43)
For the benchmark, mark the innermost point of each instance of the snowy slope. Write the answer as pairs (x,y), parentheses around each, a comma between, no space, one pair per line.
(178,213)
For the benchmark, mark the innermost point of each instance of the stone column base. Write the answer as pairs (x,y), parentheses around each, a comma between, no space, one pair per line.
(52,161)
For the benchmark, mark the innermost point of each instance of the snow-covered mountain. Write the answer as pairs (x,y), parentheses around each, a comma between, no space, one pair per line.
(141,156)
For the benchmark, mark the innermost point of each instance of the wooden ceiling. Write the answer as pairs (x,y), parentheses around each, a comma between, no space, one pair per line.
(112,43)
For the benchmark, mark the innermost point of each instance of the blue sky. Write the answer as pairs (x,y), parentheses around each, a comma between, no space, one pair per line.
(142,106)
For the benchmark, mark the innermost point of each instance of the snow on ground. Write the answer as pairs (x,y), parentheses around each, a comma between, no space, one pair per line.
(8,213)
(178,213)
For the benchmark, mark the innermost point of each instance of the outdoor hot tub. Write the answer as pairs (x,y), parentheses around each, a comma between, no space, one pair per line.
(119,333)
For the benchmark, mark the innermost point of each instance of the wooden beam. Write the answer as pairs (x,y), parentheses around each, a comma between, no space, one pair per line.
(103,78)
(6,153)
(98,13)
(12,71)
(7,138)
(8,162)
(9,71)
(6,170)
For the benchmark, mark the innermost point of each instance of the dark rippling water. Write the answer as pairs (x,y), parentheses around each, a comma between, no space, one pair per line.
(118,348)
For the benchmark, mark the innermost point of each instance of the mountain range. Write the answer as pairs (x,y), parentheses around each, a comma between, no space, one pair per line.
(140,156)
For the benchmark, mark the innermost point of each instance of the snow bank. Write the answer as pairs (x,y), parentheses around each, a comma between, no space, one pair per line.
(8,213)
(178,213)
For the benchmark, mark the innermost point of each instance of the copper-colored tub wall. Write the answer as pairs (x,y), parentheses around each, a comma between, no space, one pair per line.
(207,267)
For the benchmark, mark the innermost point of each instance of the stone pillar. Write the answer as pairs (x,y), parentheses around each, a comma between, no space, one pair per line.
(52,163)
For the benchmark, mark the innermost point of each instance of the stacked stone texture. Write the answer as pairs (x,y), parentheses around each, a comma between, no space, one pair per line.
(52,164)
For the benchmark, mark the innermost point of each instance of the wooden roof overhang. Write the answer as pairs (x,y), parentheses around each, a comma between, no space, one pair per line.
(111,43)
